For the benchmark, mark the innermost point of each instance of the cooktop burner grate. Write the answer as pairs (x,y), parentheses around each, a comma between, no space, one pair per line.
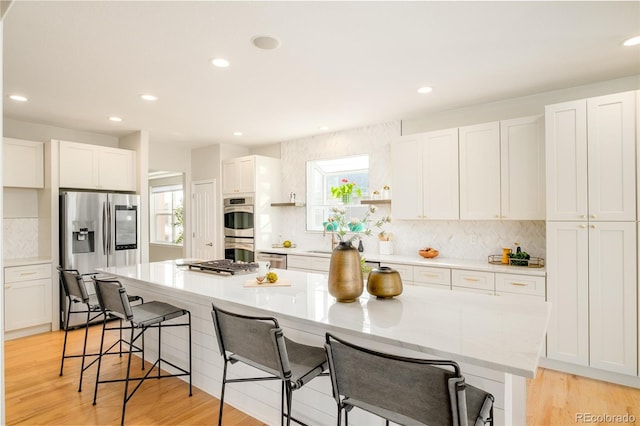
(224,267)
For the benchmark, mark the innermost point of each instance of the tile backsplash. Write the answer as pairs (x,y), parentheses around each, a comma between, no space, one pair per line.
(20,238)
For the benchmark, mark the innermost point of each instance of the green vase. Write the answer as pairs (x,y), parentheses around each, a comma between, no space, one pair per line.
(345,273)
(346,198)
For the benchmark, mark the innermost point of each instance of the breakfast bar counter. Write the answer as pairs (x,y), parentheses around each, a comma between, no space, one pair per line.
(497,340)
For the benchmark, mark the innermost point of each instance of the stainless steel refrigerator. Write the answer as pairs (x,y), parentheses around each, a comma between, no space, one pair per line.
(97,229)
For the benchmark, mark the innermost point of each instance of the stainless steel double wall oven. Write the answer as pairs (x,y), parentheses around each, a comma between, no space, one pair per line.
(239,244)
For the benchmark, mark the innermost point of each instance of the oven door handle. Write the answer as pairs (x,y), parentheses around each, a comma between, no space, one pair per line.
(238,209)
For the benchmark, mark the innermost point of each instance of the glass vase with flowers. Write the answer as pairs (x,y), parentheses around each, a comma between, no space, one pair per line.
(345,191)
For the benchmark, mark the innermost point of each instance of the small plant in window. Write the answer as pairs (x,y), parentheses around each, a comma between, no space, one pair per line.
(179,223)
(345,191)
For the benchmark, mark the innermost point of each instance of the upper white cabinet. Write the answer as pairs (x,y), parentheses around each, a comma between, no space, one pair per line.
(23,163)
(522,188)
(480,171)
(239,175)
(425,173)
(590,152)
(97,167)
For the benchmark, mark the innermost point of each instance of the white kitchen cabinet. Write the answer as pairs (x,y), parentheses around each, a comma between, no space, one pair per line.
(239,175)
(478,281)
(520,285)
(425,172)
(27,296)
(522,187)
(590,159)
(308,263)
(428,276)
(86,166)
(591,283)
(405,271)
(22,163)
(480,171)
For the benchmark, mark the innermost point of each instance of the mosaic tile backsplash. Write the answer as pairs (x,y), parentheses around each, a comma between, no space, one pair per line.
(20,238)
(474,240)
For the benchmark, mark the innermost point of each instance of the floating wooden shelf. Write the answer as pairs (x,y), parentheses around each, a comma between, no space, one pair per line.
(387,201)
(297,204)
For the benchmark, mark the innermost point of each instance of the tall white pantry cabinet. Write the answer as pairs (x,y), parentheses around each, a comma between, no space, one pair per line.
(592,232)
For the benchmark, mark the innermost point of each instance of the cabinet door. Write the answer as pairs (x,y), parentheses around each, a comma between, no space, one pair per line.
(439,175)
(522,169)
(27,304)
(229,177)
(611,148)
(566,160)
(116,169)
(23,163)
(568,291)
(247,174)
(613,297)
(406,169)
(480,171)
(78,165)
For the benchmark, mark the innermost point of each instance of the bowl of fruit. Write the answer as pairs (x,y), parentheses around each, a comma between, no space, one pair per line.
(428,252)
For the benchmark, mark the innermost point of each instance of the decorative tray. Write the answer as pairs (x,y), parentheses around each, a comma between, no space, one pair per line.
(532,262)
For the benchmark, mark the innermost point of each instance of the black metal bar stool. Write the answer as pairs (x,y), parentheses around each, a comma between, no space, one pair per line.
(75,292)
(114,302)
(260,343)
(404,390)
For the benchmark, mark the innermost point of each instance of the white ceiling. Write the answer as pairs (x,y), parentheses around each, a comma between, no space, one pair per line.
(340,64)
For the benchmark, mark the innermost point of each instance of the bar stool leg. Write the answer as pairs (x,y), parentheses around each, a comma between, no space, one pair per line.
(95,390)
(64,345)
(224,383)
(126,382)
(84,348)
(190,362)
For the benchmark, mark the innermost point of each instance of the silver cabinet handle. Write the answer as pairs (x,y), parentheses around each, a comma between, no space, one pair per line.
(209,244)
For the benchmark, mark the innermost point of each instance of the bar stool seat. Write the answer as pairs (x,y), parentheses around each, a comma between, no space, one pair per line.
(260,342)
(75,292)
(114,302)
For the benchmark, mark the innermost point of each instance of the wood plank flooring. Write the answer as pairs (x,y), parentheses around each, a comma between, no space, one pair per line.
(36,395)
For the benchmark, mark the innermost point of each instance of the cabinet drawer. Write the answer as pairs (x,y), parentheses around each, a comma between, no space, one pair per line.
(520,284)
(320,264)
(473,279)
(429,275)
(405,271)
(27,273)
(298,262)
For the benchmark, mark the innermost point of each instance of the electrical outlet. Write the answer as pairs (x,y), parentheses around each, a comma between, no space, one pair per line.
(473,239)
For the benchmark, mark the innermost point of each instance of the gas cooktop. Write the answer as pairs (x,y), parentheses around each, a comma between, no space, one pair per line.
(224,267)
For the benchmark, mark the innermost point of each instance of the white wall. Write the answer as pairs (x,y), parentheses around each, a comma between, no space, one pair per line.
(41,132)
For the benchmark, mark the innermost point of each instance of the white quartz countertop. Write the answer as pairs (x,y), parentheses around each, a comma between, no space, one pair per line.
(500,333)
(438,262)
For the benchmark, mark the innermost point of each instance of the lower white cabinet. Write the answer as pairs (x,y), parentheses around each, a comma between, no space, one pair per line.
(27,296)
(432,277)
(405,271)
(482,282)
(592,285)
(520,285)
(308,263)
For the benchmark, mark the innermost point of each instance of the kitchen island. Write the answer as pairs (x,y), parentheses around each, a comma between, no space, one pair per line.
(496,340)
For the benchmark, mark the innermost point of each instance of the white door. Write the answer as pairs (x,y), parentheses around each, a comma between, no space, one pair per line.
(612,297)
(568,291)
(480,171)
(203,221)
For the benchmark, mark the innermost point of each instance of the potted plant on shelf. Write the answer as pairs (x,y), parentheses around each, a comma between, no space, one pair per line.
(345,191)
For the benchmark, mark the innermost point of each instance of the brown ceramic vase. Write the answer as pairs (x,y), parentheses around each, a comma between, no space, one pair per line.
(345,274)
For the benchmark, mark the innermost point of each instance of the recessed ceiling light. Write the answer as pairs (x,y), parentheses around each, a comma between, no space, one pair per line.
(148,97)
(425,89)
(18,98)
(115,119)
(323,128)
(237,133)
(265,42)
(633,41)
(220,62)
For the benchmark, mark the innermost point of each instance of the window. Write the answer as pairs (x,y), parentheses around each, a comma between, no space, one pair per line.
(167,210)
(322,175)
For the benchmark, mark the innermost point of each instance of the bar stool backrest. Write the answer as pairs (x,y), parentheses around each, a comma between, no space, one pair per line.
(73,284)
(424,391)
(113,298)
(257,341)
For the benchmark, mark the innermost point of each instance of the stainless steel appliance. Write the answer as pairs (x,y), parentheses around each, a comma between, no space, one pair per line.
(97,230)
(239,244)
(276,260)
(224,267)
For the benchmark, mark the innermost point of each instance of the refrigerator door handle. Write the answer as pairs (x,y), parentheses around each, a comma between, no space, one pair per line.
(104,228)
(109,242)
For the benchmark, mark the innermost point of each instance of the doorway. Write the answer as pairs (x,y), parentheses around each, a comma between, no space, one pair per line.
(203,220)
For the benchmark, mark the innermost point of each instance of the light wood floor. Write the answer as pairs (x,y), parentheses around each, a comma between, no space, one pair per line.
(36,395)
